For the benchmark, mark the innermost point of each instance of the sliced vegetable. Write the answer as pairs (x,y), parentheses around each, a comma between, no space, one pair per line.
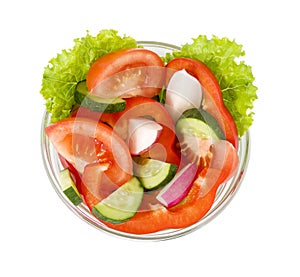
(224,58)
(179,187)
(101,159)
(199,123)
(222,166)
(153,174)
(96,182)
(164,148)
(183,92)
(195,205)
(69,188)
(122,204)
(83,141)
(126,72)
(76,176)
(142,134)
(136,81)
(196,150)
(95,185)
(97,104)
(213,101)
(70,66)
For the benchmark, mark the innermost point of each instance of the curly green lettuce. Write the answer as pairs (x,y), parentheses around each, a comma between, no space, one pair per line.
(236,80)
(71,66)
(221,55)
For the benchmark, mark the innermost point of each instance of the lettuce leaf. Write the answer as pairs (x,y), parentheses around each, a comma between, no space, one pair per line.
(221,55)
(236,80)
(71,66)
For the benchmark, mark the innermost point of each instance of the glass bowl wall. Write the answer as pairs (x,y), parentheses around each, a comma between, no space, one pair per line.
(224,194)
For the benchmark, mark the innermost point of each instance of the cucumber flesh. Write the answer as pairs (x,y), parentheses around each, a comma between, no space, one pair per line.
(97,104)
(154,174)
(196,128)
(122,204)
(69,188)
(199,123)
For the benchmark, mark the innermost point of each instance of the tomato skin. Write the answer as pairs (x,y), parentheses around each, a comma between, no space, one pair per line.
(61,134)
(212,93)
(118,61)
(165,148)
(95,185)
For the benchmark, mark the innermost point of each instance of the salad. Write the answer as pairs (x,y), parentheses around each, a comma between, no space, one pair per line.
(145,141)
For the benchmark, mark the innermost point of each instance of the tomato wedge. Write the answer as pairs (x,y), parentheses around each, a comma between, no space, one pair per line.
(95,185)
(165,147)
(83,141)
(212,94)
(131,71)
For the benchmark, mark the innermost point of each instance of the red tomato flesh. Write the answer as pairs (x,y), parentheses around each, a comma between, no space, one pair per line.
(83,141)
(129,70)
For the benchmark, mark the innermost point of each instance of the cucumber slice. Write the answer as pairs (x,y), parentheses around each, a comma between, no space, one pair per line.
(69,188)
(154,174)
(199,123)
(122,204)
(95,103)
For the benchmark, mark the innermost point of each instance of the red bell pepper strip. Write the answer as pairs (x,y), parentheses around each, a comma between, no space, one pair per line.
(197,203)
(212,94)
(165,147)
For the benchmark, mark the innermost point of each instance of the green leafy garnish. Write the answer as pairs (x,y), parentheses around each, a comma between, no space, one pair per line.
(221,55)
(69,67)
(162,95)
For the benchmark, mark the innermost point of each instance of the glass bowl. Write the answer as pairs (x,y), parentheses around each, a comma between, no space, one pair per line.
(223,197)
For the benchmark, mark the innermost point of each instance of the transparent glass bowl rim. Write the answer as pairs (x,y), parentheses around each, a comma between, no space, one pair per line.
(224,194)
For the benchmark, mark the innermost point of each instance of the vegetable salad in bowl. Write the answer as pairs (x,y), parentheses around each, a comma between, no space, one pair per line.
(147,140)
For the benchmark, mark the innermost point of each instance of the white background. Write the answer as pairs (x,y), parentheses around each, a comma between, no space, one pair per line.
(256,235)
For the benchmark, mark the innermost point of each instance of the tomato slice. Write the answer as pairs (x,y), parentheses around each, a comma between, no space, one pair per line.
(83,141)
(165,148)
(95,185)
(131,71)
(212,94)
